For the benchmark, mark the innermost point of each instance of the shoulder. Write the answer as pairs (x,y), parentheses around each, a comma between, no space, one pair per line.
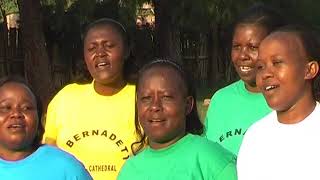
(63,162)
(258,131)
(74,87)
(213,157)
(129,88)
(262,124)
(211,149)
(58,155)
(228,90)
(70,92)
(131,167)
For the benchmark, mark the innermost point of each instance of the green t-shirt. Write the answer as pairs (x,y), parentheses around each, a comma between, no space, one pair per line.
(191,158)
(231,111)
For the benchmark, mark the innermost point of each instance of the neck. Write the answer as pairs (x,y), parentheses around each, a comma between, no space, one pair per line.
(161,145)
(252,88)
(109,89)
(15,155)
(298,112)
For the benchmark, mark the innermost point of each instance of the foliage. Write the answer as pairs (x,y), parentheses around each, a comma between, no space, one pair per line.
(9,6)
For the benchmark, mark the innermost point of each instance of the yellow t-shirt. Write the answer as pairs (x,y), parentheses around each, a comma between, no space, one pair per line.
(98,130)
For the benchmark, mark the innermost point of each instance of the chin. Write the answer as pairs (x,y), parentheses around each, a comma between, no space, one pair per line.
(276,106)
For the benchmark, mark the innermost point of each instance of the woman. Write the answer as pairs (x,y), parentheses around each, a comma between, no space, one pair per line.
(21,154)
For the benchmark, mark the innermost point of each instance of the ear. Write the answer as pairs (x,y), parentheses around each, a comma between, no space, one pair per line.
(312,69)
(189,104)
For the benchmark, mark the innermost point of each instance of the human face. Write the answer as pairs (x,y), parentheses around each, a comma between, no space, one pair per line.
(281,70)
(244,52)
(18,117)
(162,106)
(104,54)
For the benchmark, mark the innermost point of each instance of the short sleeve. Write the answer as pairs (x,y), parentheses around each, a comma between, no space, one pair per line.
(228,173)
(127,171)
(51,127)
(78,172)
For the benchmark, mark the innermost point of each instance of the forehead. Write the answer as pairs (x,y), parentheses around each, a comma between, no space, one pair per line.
(165,74)
(284,41)
(249,29)
(18,89)
(103,29)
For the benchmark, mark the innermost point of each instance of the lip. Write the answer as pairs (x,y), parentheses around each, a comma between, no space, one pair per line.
(16,127)
(270,89)
(245,68)
(102,64)
(156,122)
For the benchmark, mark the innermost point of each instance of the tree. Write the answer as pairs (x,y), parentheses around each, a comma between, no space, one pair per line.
(37,66)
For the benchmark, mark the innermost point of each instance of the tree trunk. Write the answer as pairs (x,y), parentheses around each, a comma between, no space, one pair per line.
(166,32)
(36,62)
(213,72)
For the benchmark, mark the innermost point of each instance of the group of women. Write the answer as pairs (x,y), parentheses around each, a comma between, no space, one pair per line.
(259,127)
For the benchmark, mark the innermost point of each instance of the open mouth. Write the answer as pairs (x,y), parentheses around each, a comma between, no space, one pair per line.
(16,127)
(245,68)
(155,120)
(103,65)
(271,87)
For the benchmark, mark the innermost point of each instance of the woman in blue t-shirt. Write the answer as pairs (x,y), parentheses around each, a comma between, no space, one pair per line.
(22,156)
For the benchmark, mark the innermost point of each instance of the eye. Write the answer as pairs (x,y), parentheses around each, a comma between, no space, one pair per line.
(276,62)
(27,108)
(145,98)
(5,108)
(91,48)
(167,97)
(235,46)
(108,45)
(259,66)
(253,48)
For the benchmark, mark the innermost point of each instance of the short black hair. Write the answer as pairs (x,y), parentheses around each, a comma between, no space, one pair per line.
(261,15)
(40,131)
(193,122)
(106,21)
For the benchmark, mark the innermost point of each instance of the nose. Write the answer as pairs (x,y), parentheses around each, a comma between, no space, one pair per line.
(266,73)
(101,51)
(244,53)
(16,113)
(156,104)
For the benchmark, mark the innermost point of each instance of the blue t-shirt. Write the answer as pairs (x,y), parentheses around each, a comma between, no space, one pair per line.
(46,163)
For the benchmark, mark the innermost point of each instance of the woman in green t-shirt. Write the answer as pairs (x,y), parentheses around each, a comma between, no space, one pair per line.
(169,127)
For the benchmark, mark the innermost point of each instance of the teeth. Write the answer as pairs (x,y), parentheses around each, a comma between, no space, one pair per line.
(156,120)
(16,126)
(269,88)
(102,64)
(245,68)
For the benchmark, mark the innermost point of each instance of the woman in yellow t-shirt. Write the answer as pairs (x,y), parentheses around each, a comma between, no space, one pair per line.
(95,121)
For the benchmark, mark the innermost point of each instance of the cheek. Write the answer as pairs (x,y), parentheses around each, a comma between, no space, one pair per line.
(234,56)
(259,80)
(142,113)
(254,55)
(33,122)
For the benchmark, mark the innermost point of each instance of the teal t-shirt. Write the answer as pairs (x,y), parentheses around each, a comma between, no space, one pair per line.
(231,111)
(46,163)
(191,158)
